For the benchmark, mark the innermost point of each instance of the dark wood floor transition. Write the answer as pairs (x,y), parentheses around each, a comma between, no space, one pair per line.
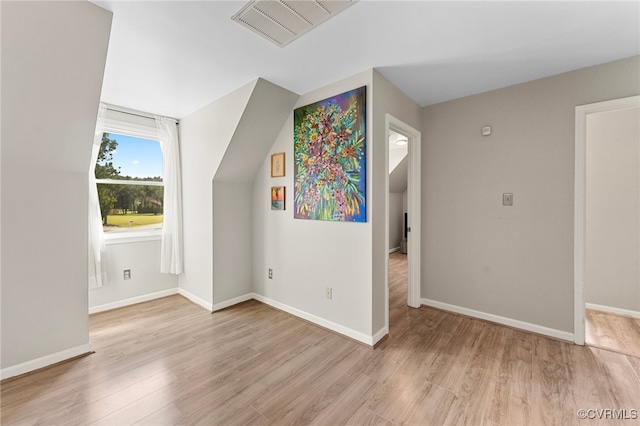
(171,362)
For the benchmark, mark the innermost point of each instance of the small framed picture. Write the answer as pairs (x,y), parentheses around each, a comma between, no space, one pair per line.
(277,165)
(277,197)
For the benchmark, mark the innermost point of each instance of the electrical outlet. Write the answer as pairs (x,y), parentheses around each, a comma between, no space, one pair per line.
(126,274)
(270,273)
(329,293)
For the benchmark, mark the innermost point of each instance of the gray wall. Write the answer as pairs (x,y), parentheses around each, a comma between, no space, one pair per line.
(223,146)
(53,58)
(309,255)
(516,262)
(204,138)
(232,233)
(267,109)
(143,258)
(387,99)
(613,210)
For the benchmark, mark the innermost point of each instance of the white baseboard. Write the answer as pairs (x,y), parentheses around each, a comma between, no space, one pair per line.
(231,302)
(612,310)
(195,299)
(393,250)
(356,335)
(35,364)
(380,334)
(558,334)
(133,300)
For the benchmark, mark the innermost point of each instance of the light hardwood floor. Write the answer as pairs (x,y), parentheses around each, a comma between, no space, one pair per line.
(618,333)
(171,362)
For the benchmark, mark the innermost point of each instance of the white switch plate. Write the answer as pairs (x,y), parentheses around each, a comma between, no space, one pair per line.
(507,199)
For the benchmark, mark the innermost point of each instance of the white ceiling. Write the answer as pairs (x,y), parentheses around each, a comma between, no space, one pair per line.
(174,57)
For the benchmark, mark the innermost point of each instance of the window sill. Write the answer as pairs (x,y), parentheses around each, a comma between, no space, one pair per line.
(133,237)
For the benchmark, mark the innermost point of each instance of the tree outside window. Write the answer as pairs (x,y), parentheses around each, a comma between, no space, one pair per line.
(129,178)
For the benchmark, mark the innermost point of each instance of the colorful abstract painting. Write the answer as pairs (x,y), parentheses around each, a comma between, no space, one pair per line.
(329,149)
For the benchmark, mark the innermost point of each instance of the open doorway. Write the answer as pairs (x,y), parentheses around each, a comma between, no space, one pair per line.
(607,225)
(405,267)
(398,224)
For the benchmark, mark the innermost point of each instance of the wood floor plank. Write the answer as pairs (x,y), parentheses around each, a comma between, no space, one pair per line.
(411,400)
(551,394)
(165,416)
(323,393)
(618,333)
(431,407)
(169,361)
(231,413)
(474,397)
(349,403)
(635,365)
(138,410)
(366,417)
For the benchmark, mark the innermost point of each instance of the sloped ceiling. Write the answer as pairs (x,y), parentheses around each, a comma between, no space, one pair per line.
(398,178)
(263,118)
(173,57)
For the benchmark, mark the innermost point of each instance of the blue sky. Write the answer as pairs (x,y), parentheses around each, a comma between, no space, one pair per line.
(137,157)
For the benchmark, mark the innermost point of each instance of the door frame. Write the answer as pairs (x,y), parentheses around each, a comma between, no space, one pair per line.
(414,138)
(580,207)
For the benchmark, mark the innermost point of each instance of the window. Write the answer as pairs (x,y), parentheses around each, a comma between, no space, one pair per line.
(129,178)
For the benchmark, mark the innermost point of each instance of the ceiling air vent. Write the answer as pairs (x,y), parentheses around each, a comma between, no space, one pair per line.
(282,21)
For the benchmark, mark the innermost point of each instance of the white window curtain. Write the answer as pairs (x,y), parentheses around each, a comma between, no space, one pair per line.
(171,261)
(97,248)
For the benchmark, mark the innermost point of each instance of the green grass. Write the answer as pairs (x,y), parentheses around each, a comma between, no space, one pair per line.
(122,220)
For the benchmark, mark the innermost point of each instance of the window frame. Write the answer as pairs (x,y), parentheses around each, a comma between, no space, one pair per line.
(123,127)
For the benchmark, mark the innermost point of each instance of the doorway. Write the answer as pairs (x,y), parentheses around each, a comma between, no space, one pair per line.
(398,223)
(606,251)
(413,228)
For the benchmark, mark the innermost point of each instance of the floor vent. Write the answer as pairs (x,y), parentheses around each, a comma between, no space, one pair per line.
(282,21)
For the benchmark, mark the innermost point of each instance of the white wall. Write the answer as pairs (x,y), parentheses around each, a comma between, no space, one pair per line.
(308,256)
(232,241)
(53,58)
(396,155)
(268,107)
(405,202)
(204,138)
(515,262)
(223,145)
(613,210)
(143,259)
(398,180)
(398,177)
(396,220)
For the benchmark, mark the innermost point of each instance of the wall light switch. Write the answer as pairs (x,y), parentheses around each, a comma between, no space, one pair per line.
(486,131)
(507,199)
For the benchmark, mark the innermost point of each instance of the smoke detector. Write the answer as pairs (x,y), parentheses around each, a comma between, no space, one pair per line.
(282,21)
